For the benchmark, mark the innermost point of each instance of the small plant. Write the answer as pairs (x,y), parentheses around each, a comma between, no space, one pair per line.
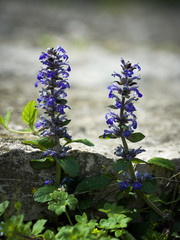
(67,192)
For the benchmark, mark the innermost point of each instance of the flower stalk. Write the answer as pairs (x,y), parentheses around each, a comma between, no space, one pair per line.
(53,77)
(125,92)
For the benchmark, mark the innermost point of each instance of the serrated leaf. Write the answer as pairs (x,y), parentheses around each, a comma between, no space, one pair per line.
(136,137)
(6,118)
(3,207)
(41,163)
(92,183)
(47,142)
(162,162)
(109,223)
(107,136)
(81,219)
(59,201)
(84,141)
(70,166)
(121,164)
(38,226)
(29,113)
(42,194)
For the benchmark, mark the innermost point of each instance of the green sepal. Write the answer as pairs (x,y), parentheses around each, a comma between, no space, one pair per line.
(41,163)
(107,136)
(92,183)
(3,207)
(136,137)
(83,141)
(162,162)
(69,165)
(29,114)
(62,124)
(121,165)
(47,142)
(112,106)
(42,194)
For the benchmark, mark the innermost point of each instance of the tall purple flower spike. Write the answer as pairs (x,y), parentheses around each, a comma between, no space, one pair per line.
(53,77)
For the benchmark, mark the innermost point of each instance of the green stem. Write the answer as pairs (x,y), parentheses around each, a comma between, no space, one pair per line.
(151,204)
(131,170)
(69,219)
(20,132)
(58,174)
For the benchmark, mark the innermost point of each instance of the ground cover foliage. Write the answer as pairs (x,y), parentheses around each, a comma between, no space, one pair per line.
(67,196)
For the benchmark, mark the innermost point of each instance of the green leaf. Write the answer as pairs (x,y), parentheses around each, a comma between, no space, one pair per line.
(121,164)
(136,137)
(70,166)
(42,194)
(162,162)
(92,183)
(107,136)
(1,120)
(31,142)
(41,163)
(112,210)
(34,143)
(29,113)
(47,142)
(59,201)
(137,160)
(149,187)
(84,141)
(3,207)
(81,219)
(49,235)
(6,118)
(38,226)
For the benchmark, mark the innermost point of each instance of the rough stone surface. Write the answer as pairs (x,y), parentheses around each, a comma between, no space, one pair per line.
(95,36)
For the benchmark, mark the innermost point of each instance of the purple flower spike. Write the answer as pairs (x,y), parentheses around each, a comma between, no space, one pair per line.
(53,77)
(125,92)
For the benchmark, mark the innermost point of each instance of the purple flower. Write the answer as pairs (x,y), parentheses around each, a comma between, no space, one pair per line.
(53,77)
(136,185)
(125,92)
(128,155)
(124,185)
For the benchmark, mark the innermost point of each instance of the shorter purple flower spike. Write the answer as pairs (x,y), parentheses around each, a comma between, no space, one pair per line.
(128,93)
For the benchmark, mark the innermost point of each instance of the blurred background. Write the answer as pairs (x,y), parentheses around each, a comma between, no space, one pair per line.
(96,34)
